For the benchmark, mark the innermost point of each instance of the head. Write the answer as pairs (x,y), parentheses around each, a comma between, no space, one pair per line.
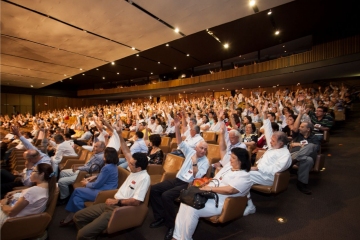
(278,140)
(194,130)
(138,162)
(155,140)
(152,120)
(111,156)
(250,128)
(306,128)
(99,147)
(234,137)
(201,148)
(290,120)
(32,156)
(172,123)
(274,126)
(59,139)
(142,126)
(247,119)
(205,119)
(271,116)
(239,159)
(139,135)
(157,121)
(192,122)
(320,111)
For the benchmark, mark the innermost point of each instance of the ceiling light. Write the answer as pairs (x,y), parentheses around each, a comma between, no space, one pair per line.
(184,91)
(281,220)
(70,78)
(285,51)
(103,77)
(252,3)
(80,69)
(97,69)
(226,45)
(151,73)
(209,89)
(158,62)
(283,45)
(174,67)
(31,86)
(84,30)
(259,86)
(187,55)
(223,88)
(42,83)
(112,63)
(242,88)
(65,75)
(133,48)
(227,89)
(135,68)
(83,74)
(277,32)
(117,73)
(176,30)
(167,44)
(269,12)
(137,55)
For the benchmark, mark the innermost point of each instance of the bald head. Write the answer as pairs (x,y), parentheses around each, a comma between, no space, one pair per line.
(32,155)
(201,148)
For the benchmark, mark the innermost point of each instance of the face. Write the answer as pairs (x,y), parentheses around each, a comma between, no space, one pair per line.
(274,142)
(245,120)
(303,129)
(192,132)
(270,117)
(248,129)
(97,148)
(319,112)
(152,121)
(35,176)
(132,167)
(289,121)
(234,161)
(201,149)
(233,138)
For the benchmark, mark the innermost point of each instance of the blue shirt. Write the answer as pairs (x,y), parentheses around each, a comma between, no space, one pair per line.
(139,146)
(203,164)
(95,159)
(107,178)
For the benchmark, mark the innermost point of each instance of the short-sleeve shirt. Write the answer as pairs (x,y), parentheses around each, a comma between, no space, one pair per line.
(135,186)
(37,198)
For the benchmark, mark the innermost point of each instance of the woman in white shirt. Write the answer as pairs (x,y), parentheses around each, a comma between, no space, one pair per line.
(234,181)
(32,200)
(158,127)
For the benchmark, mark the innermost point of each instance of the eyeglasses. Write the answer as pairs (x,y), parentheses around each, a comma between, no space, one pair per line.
(35,171)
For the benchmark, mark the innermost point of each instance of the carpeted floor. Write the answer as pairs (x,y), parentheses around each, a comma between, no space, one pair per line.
(331,212)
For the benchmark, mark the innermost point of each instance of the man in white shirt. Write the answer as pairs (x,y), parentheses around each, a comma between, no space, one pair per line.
(63,149)
(151,124)
(93,220)
(163,194)
(276,159)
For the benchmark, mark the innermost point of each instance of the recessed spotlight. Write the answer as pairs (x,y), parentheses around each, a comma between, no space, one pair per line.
(112,63)
(137,55)
(65,75)
(277,32)
(174,67)
(42,83)
(84,30)
(151,73)
(176,30)
(167,45)
(277,85)
(259,86)
(187,55)
(184,91)
(133,48)
(252,3)
(80,69)
(281,220)
(227,89)
(135,68)
(83,74)
(223,88)
(31,86)
(117,73)
(158,62)
(103,77)
(269,12)
(70,78)
(242,88)
(209,89)
(283,45)
(285,51)
(226,45)
(97,69)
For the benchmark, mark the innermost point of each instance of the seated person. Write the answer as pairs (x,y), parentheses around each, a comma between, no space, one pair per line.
(93,220)
(63,149)
(31,200)
(106,180)
(68,176)
(155,154)
(139,145)
(321,120)
(234,181)
(163,194)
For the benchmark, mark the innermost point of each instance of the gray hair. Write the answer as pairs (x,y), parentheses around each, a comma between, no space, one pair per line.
(236,133)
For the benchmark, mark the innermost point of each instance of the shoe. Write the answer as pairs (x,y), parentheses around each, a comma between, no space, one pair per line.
(249,210)
(169,234)
(303,188)
(61,202)
(157,223)
(65,224)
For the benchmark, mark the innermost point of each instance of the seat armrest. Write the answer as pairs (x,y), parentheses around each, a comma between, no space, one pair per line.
(68,164)
(65,158)
(154,169)
(168,176)
(103,195)
(233,208)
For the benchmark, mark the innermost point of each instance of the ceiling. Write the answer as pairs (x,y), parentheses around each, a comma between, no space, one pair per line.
(67,44)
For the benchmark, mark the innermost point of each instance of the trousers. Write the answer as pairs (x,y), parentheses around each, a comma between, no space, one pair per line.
(305,157)
(162,198)
(93,220)
(79,197)
(67,177)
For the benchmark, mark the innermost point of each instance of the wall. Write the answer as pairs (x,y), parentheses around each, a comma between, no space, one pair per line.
(12,103)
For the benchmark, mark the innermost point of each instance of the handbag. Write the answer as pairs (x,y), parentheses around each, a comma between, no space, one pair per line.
(94,167)
(196,198)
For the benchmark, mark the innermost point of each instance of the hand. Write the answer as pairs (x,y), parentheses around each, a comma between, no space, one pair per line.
(194,159)
(15,130)
(217,165)
(84,182)
(111,201)
(254,169)
(177,121)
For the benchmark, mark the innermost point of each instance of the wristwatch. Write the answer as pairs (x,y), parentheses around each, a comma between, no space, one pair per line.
(119,203)
(195,165)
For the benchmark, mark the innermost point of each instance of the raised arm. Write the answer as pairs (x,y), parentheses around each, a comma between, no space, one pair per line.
(298,119)
(125,149)
(222,143)
(177,130)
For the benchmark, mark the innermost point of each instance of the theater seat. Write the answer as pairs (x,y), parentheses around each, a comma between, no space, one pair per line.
(209,137)
(168,170)
(281,182)
(29,227)
(233,208)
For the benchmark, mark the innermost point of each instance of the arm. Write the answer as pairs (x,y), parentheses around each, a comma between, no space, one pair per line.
(298,119)
(26,143)
(125,149)
(225,190)
(16,209)
(101,179)
(177,130)
(222,143)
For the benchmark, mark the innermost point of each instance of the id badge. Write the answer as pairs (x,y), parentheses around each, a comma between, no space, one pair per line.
(189,174)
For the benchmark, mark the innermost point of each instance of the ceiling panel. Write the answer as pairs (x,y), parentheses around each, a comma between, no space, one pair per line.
(194,16)
(114,19)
